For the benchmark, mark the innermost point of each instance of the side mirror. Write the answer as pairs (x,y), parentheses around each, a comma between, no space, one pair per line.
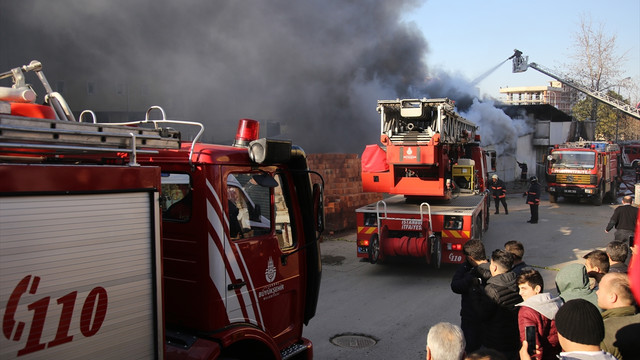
(318,207)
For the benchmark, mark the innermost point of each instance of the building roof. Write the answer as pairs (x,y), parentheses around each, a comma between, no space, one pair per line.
(543,112)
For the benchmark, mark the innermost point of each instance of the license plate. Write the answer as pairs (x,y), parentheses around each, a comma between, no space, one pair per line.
(570,191)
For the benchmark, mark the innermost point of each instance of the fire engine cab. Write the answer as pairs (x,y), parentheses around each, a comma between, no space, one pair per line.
(584,169)
(433,167)
(126,241)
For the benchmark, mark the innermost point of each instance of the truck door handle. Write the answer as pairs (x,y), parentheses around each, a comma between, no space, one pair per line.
(237,285)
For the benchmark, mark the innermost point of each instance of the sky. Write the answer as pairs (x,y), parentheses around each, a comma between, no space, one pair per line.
(468,38)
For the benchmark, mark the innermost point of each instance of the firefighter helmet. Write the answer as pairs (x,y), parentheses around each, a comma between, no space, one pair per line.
(533,179)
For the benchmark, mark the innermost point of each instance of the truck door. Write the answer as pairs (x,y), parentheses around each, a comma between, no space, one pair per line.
(261,231)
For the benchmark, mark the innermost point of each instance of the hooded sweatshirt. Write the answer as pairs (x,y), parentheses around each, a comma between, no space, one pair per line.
(539,311)
(572,282)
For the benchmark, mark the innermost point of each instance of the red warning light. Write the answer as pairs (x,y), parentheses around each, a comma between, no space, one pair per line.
(248,130)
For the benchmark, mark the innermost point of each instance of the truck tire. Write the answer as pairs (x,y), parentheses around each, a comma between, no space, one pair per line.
(597,198)
(374,249)
(613,193)
(552,198)
(436,253)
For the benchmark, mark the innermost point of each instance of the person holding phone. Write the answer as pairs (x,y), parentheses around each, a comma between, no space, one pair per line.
(535,318)
(580,331)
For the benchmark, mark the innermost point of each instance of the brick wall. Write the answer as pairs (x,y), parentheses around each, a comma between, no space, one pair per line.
(343,188)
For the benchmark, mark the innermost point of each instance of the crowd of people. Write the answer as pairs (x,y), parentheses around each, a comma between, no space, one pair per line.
(594,315)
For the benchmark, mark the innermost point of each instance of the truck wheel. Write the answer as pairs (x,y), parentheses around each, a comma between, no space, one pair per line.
(597,199)
(374,249)
(552,198)
(436,252)
(613,193)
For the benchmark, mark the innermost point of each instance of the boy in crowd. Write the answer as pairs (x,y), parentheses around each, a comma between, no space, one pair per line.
(517,250)
(597,264)
(497,307)
(580,331)
(468,281)
(538,309)
(617,251)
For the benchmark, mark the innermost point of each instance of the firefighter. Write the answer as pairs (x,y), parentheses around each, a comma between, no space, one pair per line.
(499,192)
(523,170)
(533,199)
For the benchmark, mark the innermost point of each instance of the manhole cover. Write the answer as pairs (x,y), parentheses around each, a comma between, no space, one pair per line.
(354,341)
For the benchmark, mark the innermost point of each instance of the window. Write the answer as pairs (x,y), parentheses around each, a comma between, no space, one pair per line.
(573,159)
(251,210)
(284,230)
(175,197)
(453,222)
(249,205)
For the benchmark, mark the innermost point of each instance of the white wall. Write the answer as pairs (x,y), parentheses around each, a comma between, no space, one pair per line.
(525,152)
(559,132)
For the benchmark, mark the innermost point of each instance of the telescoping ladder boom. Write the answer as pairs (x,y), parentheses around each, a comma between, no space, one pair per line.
(520,64)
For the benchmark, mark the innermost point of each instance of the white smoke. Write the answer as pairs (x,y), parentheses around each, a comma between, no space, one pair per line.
(496,128)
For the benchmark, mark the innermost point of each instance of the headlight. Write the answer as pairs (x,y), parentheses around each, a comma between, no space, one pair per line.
(552,188)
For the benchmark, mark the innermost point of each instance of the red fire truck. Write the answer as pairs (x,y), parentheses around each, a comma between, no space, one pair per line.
(584,169)
(124,241)
(630,153)
(435,170)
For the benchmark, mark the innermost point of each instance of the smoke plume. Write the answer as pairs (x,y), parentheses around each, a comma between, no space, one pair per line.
(495,127)
(317,67)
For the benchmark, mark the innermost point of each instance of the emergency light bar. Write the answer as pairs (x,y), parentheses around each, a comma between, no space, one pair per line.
(248,130)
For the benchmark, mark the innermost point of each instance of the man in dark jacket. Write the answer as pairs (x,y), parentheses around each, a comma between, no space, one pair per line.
(497,306)
(468,281)
(617,251)
(533,199)
(624,220)
(499,193)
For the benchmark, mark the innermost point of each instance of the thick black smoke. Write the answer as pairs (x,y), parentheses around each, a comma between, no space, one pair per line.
(316,66)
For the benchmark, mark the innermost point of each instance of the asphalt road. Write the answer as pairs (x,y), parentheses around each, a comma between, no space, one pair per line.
(393,305)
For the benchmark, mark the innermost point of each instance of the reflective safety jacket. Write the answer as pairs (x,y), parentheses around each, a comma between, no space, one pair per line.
(498,189)
(533,194)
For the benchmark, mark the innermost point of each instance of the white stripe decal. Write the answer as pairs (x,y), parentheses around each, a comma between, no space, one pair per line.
(257,303)
(219,276)
(215,222)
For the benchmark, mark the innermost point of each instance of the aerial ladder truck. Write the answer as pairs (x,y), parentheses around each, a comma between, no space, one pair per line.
(432,165)
(521,63)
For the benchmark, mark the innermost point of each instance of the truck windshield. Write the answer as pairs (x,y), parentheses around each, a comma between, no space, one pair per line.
(573,159)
